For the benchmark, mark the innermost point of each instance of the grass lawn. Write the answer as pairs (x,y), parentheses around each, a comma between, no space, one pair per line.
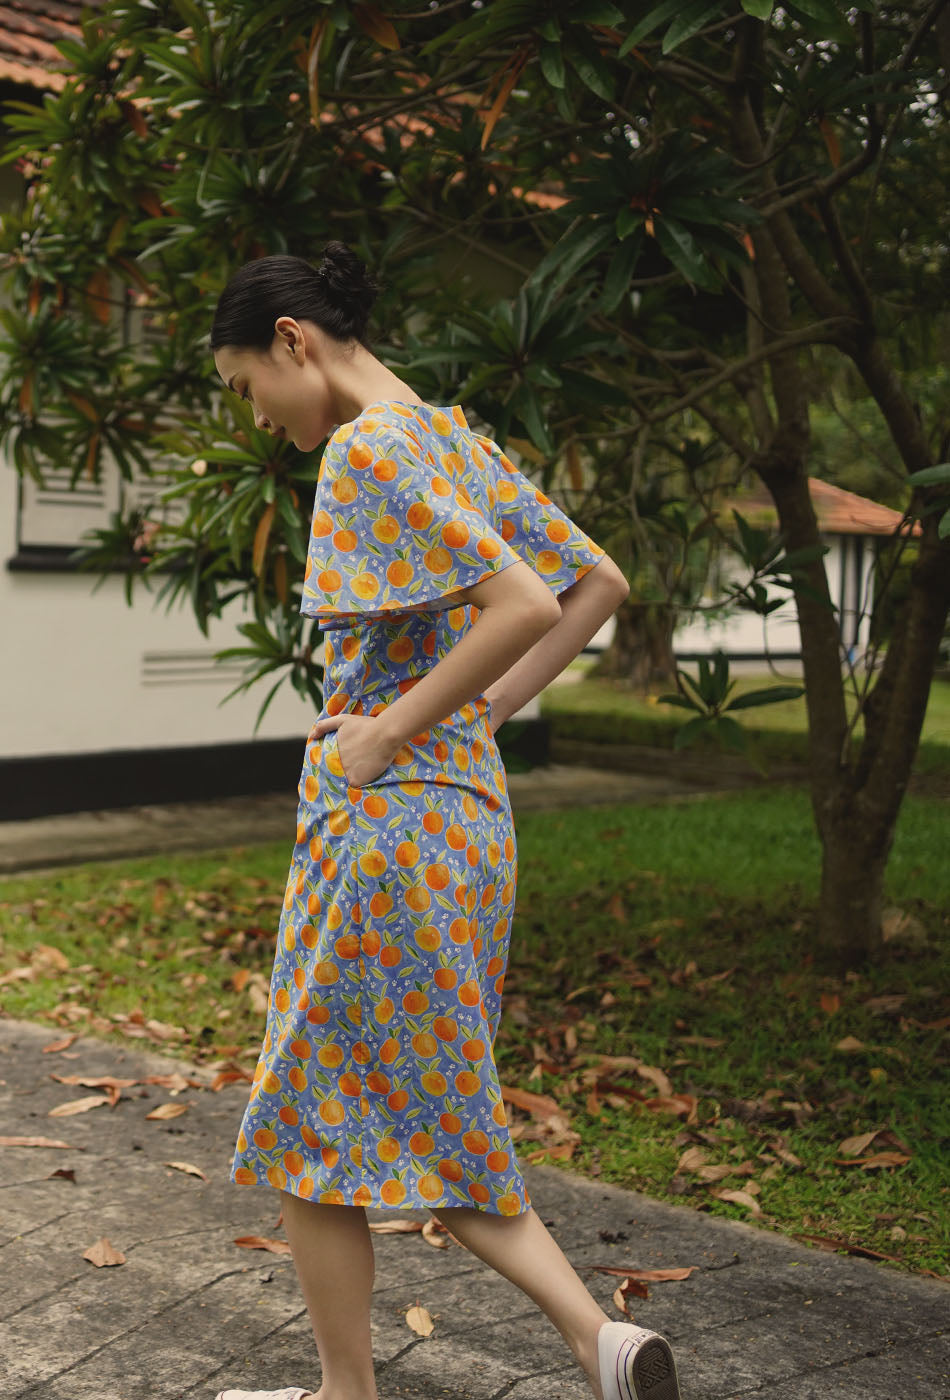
(676,936)
(604,711)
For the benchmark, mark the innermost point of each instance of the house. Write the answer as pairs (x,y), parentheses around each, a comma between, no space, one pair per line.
(105,705)
(852,527)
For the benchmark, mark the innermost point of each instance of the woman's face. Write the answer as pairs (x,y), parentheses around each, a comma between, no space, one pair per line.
(285,388)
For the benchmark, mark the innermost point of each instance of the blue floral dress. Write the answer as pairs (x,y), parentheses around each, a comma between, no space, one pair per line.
(376,1083)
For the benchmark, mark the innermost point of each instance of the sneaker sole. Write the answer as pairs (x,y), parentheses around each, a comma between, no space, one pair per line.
(651,1372)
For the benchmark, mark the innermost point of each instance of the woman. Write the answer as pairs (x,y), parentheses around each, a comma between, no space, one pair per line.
(451,591)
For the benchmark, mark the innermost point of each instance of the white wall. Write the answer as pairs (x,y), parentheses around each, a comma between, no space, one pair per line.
(84,672)
(849,564)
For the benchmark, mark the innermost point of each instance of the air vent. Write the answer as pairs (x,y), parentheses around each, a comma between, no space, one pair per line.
(56,514)
(183,668)
(144,493)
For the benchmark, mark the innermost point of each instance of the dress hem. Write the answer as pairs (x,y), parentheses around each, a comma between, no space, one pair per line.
(409,1202)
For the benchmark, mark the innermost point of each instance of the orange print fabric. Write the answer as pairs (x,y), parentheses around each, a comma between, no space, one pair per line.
(376,1083)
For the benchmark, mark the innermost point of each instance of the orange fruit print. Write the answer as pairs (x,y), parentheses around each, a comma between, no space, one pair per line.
(376,1083)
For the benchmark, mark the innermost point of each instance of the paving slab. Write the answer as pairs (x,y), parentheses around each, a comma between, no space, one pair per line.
(190,1312)
(122,832)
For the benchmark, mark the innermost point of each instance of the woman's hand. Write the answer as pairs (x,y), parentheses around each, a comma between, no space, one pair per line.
(365,755)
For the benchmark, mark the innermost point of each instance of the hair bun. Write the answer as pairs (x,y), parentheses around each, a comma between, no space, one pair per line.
(347,284)
(337,295)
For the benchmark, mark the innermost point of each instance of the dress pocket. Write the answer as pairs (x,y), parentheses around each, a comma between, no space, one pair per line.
(336,739)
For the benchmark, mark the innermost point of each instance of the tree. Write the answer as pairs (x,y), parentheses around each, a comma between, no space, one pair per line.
(677,217)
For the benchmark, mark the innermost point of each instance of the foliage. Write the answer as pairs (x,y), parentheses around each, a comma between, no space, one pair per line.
(606,228)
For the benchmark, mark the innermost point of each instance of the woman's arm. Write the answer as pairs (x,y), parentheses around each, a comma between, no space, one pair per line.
(516,609)
(585,607)
(522,638)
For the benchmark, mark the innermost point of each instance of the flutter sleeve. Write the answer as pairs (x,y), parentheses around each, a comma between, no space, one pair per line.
(531,524)
(392,531)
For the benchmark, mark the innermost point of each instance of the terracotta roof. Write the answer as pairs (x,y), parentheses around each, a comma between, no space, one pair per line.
(839,512)
(28,31)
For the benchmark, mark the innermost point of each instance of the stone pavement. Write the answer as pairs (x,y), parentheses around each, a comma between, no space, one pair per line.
(73,837)
(190,1312)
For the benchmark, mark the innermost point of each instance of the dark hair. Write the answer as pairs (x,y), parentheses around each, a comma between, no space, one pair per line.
(338,296)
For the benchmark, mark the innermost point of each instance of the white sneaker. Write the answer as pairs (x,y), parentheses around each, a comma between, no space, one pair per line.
(635,1363)
(292,1392)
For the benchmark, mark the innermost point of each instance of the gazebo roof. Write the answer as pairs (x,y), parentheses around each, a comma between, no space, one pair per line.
(839,512)
(29,30)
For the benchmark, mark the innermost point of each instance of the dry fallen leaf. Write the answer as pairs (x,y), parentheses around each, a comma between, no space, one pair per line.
(397,1227)
(187,1167)
(854,1146)
(420,1321)
(434,1232)
(848,1043)
(675,1103)
(739,1198)
(18,974)
(168,1110)
(66,1110)
(228,1075)
(783,1153)
(692,1159)
(877,1159)
(629,1289)
(715,1171)
(160,1030)
(62,1044)
(94,1083)
(561,1153)
(259,1242)
(656,1077)
(69,1173)
(647,1275)
(103,1253)
(174,1082)
(113,1087)
(37,1142)
(45,955)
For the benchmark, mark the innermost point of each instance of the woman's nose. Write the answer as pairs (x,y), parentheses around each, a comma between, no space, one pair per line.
(261,421)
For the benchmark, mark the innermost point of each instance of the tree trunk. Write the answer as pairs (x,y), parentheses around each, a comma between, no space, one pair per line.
(856,791)
(641,651)
(854,859)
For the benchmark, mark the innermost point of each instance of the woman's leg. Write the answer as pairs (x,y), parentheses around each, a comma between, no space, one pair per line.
(333,1256)
(521,1249)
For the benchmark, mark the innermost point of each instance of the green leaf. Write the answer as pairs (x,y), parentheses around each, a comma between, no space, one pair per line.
(593,70)
(689,22)
(730,734)
(577,247)
(681,700)
(943,529)
(621,270)
(649,22)
(552,64)
(684,253)
(822,19)
(758,9)
(596,12)
(691,730)
(773,695)
(931,476)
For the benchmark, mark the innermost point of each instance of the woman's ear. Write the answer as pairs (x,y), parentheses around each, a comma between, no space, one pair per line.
(292,334)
